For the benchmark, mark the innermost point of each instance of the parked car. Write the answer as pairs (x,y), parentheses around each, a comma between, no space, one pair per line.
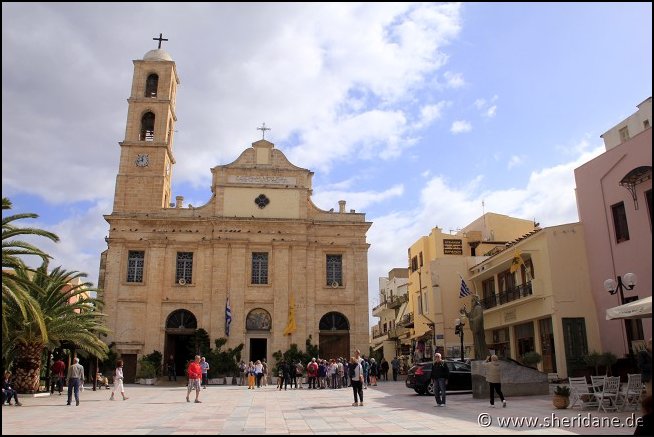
(419,377)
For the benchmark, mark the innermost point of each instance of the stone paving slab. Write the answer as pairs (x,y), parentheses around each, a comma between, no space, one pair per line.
(390,408)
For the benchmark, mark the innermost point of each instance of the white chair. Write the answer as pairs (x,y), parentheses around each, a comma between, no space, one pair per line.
(609,393)
(597,382)
(581,393)
(632,394)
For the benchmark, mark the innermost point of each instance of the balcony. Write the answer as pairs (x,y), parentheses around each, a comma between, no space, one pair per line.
(392,303)
(406,321)
(396,301)
(397,332)
(515,293)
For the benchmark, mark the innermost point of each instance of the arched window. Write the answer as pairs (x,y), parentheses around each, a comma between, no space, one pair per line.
(151,85)
(181,319)
(334,322)
(258,320)
(147,127)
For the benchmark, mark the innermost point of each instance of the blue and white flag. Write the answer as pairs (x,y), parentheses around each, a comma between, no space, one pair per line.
(228,317)
(464,291)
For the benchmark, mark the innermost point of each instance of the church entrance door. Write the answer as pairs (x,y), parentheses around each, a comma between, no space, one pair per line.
(334,340)
(180,329)
(258,349)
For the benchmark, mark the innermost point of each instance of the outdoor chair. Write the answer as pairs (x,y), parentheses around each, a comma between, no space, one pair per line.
(597,382)
(608,397)
(581,394)
(631,395)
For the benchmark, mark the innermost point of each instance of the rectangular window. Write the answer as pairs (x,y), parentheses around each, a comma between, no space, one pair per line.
(184,270)
(620,222)
(259,268)
(135,259)
(414,264)
(488,287)
(527,271)
(624,134)
(524,337)
(420,254)
(334,270)
(646,124)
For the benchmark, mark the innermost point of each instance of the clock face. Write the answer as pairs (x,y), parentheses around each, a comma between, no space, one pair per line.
(142,160)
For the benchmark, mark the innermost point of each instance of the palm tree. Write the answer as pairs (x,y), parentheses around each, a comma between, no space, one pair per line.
(68,313)
(13,289)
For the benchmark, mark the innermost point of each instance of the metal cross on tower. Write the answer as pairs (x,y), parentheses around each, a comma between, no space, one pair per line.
(263,130)
(160,39)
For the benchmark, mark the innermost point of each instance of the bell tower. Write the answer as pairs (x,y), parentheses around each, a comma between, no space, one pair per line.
(144,176)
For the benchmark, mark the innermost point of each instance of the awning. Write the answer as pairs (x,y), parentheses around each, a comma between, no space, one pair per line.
(422,336)
(638,309)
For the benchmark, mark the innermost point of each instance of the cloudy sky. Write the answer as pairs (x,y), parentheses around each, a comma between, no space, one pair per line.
(413,113)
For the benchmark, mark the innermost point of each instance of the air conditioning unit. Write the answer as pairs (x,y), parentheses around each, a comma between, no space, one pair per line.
(181,281)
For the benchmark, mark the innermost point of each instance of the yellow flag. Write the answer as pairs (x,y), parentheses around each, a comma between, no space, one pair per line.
(517,260)
(290,326)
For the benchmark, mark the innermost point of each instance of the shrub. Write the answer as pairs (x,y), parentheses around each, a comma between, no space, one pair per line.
(223,362)
(531,358)
(146,369)
(562,390)
(593,359)
(155,358)
(608,359)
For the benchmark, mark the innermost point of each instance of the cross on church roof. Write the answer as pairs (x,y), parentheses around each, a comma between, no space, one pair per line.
(263,130)
(160,39)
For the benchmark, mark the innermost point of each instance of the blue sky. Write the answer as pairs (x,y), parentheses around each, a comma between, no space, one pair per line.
(412,113)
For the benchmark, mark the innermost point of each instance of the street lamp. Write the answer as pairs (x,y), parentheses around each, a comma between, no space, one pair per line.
(458,330)
(628,282)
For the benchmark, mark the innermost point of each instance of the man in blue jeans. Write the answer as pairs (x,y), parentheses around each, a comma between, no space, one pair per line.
(439,374)
(75,379)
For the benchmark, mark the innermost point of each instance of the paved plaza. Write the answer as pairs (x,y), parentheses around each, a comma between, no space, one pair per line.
(389,408)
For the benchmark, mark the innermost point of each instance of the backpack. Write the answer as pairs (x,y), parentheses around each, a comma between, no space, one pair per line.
(351,367)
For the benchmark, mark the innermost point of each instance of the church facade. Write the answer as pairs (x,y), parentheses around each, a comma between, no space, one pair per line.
(259,249)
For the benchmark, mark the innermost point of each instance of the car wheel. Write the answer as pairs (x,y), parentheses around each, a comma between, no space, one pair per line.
(430,388)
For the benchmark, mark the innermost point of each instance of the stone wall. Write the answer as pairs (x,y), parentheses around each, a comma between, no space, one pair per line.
(517,380)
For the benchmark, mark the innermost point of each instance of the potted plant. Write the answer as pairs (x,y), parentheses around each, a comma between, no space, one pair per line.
(146,372)
(561,398)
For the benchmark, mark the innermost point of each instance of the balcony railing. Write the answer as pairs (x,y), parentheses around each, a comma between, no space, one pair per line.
(406,320)
(392,303)
(515,293)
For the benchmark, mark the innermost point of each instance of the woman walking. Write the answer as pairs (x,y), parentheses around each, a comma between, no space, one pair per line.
(118,381)
(494,378)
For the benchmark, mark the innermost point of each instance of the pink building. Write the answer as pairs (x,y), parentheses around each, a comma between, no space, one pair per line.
(614,199)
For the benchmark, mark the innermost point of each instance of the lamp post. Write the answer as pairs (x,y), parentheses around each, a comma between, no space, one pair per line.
(627,281)
(458,330)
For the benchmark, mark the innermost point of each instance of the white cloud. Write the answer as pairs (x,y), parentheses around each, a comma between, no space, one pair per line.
(334,81)
(454,80)
(357,200)
(490,112)
(429,113)
(460,126)
(514,161)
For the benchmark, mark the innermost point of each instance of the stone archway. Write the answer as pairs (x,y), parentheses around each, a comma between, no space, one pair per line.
(258,324)
(334,336)
(181,325)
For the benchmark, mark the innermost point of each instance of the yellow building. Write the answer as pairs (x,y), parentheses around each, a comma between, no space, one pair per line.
(545,305)
(437,263)
(259,243)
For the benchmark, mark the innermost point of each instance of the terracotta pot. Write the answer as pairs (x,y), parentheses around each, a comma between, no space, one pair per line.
(560,402)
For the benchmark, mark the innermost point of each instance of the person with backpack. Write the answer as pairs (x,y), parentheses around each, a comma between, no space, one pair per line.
(355,372)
